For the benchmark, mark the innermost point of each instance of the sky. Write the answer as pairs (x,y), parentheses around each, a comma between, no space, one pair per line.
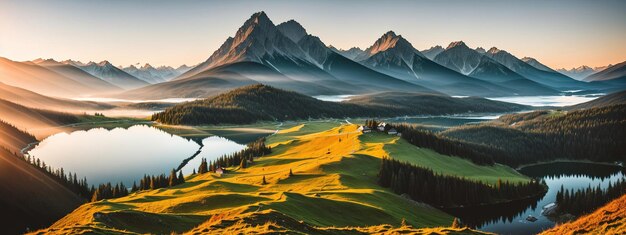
(566,33)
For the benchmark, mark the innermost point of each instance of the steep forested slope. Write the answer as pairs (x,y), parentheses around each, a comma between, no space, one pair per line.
(594,134)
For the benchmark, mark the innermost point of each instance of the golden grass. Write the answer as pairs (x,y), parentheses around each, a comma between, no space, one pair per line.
(334,190)
(609,219)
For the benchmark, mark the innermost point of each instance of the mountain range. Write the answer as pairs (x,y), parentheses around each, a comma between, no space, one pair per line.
(581,72)
(154,75)
(286,56)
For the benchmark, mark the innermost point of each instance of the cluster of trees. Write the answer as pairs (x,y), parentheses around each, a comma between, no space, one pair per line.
(450,191)
(241,158)
(260,102)
(159,181)
(593,134)
(479,154)
(99,114)
(108,191)
(587,200)
(67,179)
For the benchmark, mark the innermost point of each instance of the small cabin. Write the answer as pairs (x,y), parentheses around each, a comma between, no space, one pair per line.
(381,126)
(392,131)
(365,129)
(219,171)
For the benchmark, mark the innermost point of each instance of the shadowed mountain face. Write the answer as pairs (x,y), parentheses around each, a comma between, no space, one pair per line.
(29,198)
(548,78)
(615,72)
(432,52)
(395,56)
(284,56)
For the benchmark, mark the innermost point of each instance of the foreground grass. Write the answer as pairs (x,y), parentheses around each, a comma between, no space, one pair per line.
(609,219)
(333,190)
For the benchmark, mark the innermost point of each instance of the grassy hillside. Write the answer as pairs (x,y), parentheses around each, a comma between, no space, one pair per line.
(609,219)
(263,103)
(39,122)
(333,190)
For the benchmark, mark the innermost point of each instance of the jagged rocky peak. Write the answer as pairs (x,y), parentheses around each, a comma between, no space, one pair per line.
(293,30)
(481,50)
(146,66)
(456,44)
(494,50)
(390,40)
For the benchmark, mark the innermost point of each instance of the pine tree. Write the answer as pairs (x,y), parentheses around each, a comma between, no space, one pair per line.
(181,178)
(264,182)
(173,180)
(290,172)
(96,196)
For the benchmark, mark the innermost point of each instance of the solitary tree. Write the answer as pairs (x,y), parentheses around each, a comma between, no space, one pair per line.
(290,173)
(264,182)
(181,178)
(456,223)
(173,178)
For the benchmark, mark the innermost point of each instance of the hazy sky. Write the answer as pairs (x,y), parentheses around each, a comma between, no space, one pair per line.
(557,33)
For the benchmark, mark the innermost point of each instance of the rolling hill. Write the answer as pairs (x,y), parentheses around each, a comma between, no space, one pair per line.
(333,190)
(36,121)
(31,99)
(607,100)
(260,102)
(42,80)
(594,134)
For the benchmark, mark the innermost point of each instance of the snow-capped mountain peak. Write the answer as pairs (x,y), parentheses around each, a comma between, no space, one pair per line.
(480,50)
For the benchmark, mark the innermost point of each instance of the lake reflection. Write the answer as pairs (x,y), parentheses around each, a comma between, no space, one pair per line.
(554,100)
(511,218)
(125,155)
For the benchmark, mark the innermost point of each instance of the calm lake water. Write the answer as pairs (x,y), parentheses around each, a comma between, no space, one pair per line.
(511,218)
(446,121)
(333,98)
(556,101)
(125,155)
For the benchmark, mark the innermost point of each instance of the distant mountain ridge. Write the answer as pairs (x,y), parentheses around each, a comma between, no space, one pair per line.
(261,52)
(153,75)
(108,72)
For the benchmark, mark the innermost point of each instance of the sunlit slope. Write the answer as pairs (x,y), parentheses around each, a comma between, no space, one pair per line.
(334,186)
(609,219)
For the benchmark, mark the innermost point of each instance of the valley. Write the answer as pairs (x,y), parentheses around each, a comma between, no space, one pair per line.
(242,123)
